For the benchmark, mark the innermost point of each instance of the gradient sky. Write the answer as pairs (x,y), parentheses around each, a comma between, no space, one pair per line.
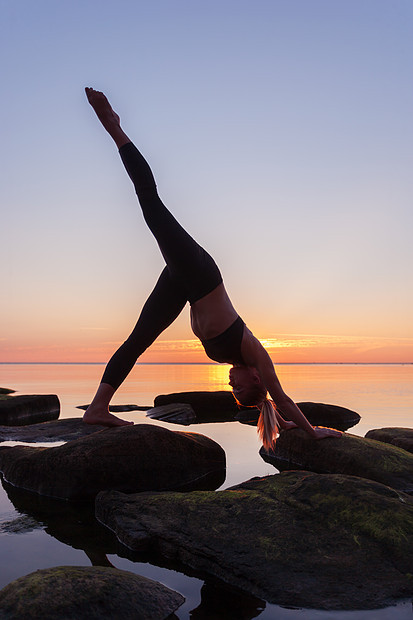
(280,134)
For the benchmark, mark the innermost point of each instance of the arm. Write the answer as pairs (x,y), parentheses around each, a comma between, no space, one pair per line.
(255,355)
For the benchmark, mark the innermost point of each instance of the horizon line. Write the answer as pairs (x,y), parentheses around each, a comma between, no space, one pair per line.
(212,363)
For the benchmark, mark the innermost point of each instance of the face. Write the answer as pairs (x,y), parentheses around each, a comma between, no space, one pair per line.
(245,381)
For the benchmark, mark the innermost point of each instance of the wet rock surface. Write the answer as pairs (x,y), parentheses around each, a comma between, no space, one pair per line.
(400,437)
(349,454)
(60,430)
(85,592)
(28,409)
(297,538)
(129,458)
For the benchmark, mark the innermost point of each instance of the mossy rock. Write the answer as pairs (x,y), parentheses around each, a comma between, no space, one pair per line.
(89,593)
(296,538)
(348,454)
(400,437)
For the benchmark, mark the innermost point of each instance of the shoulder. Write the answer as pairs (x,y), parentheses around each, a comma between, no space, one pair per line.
(252,350)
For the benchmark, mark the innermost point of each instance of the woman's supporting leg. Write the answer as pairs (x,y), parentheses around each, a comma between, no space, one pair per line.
(162,307)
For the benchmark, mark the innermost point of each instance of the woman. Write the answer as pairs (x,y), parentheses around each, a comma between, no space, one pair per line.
(190,275)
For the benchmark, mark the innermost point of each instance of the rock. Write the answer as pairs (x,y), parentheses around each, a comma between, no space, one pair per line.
(349,454)
(71,523)
(135,458)
(120,408)
(59,430)
(318,414)
(400,437)
(296,538)
(28,409)
(332,416)
(6,391)
(178,413)
(89,593)
(219,406)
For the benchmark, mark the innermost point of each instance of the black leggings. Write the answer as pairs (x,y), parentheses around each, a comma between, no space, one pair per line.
(190,272)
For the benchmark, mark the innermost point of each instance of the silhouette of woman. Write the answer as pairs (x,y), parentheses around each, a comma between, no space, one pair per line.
(191,275)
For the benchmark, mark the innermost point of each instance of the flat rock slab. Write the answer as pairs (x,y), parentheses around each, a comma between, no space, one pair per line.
(29,409)
(135,458)
(349,454)
(178,413)
(217,406)
(6,391)
(120,408)
(59,430)
(297,538)
(89,593)
(400,437)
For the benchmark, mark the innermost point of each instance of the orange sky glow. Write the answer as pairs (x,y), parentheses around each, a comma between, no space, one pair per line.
(285,348)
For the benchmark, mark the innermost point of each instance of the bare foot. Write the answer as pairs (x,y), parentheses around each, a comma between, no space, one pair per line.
(103,417)
(103,109)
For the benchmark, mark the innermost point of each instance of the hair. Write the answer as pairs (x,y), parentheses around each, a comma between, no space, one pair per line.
(267,426)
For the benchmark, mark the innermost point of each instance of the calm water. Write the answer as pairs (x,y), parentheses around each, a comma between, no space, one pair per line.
(381,394)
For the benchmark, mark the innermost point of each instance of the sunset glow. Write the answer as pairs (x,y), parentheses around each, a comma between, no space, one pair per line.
(280,134)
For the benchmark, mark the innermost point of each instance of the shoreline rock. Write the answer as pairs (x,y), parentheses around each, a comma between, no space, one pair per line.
(143,457)
(66,429)
(400,437)
(87,592)
(296,538)
(349,454)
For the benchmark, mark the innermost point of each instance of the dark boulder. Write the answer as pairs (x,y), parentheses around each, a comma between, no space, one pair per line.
(28,409)
(135,458)
(218,406)
(89,593)
(65,429)
(400,437)
(349,454)
(332,416)
(297,538)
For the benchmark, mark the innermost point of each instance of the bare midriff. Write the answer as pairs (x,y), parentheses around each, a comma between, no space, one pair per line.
(213,314)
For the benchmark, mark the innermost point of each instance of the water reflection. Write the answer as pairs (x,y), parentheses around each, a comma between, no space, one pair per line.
(74,524)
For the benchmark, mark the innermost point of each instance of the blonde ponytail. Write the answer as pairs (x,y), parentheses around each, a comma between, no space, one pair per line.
(267,426)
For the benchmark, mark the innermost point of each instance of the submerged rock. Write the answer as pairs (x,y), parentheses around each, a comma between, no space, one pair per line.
(400,437)
(297,538)
(28,409)
(349,454)
(89,593)
(59,430)
(135,458)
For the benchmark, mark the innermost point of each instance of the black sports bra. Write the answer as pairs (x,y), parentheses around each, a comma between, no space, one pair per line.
(226,347)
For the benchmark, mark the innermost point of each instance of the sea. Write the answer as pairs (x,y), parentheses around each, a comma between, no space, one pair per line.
(381,393)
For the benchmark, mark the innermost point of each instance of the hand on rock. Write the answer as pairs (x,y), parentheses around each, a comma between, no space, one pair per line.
(322,432)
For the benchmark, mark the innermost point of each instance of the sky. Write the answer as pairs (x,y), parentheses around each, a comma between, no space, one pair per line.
(280,135)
